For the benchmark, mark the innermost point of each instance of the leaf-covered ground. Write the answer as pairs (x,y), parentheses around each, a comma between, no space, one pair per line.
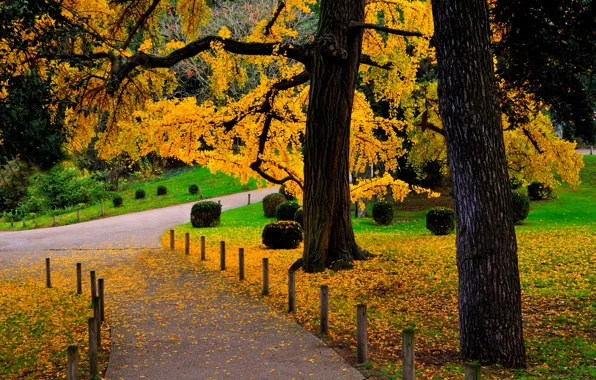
(412,282)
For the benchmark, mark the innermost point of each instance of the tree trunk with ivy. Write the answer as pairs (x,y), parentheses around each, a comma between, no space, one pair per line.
(489,285)
(329,238)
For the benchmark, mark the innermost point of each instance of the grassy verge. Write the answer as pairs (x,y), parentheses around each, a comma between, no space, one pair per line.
(36,327)
(412,282)
(212,185)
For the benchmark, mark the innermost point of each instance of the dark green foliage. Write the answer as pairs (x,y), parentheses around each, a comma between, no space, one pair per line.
(14,179)
(440,221)
(521,206)
(286,210)
(383,212)
(537,191)
(515,183)
(298,217)
(270,203)
(283,190)
(205,214)
(283,234)
(117,200)
(193,189)
(162,190)
(140,194)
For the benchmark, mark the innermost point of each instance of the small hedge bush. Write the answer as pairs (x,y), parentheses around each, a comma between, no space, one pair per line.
(538,191)
(140,194)
(440,221)
(283,190)
(270,203)
(286,210)
(298,217)
(383,212)
(283,234)
(117,200)
(205,214)
(162,190)
(521,206)
(193,189)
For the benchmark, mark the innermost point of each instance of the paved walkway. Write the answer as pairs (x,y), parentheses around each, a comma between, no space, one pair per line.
(171,318)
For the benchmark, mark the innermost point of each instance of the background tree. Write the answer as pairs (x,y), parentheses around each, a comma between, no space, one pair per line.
(489,286)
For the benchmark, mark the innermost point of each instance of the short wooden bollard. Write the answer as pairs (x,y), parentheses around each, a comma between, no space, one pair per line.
(48,275)
(291,291)
(200,192)
(219,203)
(324,310)
(102,213)
(591,150)
(54,223)
(97,318)
(72,365)
(408,368)
(100,294)
(187,243)
(172,240)
(24,225)
(265,291)
(241,264)
(92,347)
(472,371)
(78,216)
(79,279)
(361,334)
(248,198)
(11,221)
(222,255)
(203,248)
(93,285)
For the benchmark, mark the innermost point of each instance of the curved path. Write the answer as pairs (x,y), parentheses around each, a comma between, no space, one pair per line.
(170,318)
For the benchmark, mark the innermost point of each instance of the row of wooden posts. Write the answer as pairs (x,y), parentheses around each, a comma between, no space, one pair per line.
(55,222)
(472,371)
(94,323)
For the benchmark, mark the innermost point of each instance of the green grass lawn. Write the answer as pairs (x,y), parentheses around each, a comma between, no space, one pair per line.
(212,185)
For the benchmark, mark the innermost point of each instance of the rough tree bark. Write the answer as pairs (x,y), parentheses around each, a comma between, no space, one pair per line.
(489,286)
(329,237)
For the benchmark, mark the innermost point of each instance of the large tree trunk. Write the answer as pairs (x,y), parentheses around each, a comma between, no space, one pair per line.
(489,287)
(327,225)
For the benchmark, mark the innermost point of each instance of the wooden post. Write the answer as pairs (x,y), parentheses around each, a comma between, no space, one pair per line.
(72,365)
(222,255)
(265,276)
(187,243)
(79,279)
(248,198)
(591,150)
(102,213)
(472,371)
(24,225)
(241,264)
(100,294)
(97,318)
(200,192)
(93,286)
(324,310)
(219,202)
(172,240)
(48,278)
(54,224)
(408,368)
(11,221)
(92,347)
(291,291)
(361,334)
(78,216)
(203,248)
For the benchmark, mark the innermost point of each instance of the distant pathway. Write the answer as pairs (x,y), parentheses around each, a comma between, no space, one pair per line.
(171,318)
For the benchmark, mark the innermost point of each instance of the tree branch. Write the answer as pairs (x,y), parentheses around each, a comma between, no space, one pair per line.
(140,23)
(276,13)
(367,60)
(397,32)
(532,140)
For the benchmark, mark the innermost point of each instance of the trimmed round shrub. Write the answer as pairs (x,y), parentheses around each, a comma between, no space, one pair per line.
(140,194)
(162,190)
(383,212)
(521,206)
(283,234)
(538,191)
(270,203)
(193,189)
(205,214)
(117,200)
(298,217)
(515,183)
(440,221)
(283,190)
(286,210)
